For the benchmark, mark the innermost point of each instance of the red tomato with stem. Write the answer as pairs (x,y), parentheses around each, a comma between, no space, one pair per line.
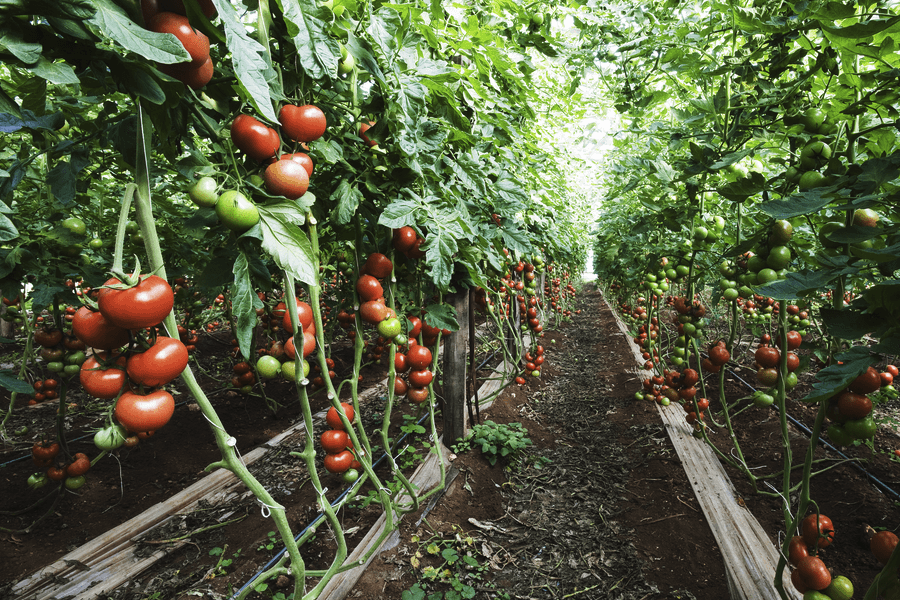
(144,413)
(814,573)
(100,381)
(819,531)
(334,420)
(882,545)
(369,288)
(419,357)
(404,238)
(137,307)
(335,441)
(286,178)
(92,328)
(304,317)
(159,364)
(255,139)
(338,463)
(302,123)
(378,265)
(422,378)
(303,159)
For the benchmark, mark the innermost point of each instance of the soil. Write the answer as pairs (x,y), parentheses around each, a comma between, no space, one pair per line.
(598,506)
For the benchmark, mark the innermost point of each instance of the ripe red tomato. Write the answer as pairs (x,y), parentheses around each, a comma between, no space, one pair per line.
(719,355)
(363,128)
(255,139)
(56,473)
(419,357)
(794,339)
(423,377)
(48,337)
(144,413)
(79,466)
(886,379)
(143,305)
(767,357)
(334,420)
(767,377)
(417,394)
(44,451)
(814,573)
(882,545)
(400,362)
(304,317)
(195,42)
(797,550)
(793,362)
(303,159)
(286,178)
(100,382)
(868,382)
(415,326)
(373,311)
(302,123)
(400,386)
(415,252)
(378,265)
(160,364)
(893,370)
(689,378)
(520,380)
(369,288)
(854,406)
(195,77)
(824,534)
(335,441)
(404,238)
(338,463)
(309,345)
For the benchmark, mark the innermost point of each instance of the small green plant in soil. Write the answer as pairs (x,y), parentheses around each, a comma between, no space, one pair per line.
(221,567)
(496,441)
(449,568)
(270,542)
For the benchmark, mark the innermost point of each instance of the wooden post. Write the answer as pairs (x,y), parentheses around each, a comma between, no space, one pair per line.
(455,417)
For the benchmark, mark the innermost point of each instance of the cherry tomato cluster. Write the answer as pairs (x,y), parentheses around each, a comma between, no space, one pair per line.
(810,572)
(336,442)
(169,16)
(407,241)
(768,359)
(47,456)
(417,361)
(533,364)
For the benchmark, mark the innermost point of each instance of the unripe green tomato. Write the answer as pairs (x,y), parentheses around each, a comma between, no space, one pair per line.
(535,373)
(762,399)
(638,395)
(350,476)
(74,483)
(55,366)
(70,370)
(841,588)
(37,480)
(664,401)
(679,351)
(677,360)
(204,192)
(110,438)
(804,323)
(731,294)
(245,389)
(95,244)
(790,381)
(390,328)
(689,329)
(401,339)
(75,225)
(268,366)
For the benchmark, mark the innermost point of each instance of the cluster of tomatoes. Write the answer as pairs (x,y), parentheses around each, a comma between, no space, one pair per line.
(48,456)
(127,315)
(717,356)
(60,352)
(810,574)
(689,320)
(169,16)
(556,293)
(408,242)
(850,411)
(338,446)
(532,364)
(768,359)
(285,176)
(646,339)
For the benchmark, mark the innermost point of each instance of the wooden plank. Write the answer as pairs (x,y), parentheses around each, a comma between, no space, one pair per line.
(750,556)
(454,389)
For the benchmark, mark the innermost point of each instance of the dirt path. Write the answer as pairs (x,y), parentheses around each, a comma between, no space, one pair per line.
(599,507)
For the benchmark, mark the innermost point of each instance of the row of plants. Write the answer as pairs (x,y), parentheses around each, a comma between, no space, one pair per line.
(295,174)
(757,183)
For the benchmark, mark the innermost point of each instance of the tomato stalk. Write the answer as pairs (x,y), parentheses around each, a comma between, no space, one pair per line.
(225,442)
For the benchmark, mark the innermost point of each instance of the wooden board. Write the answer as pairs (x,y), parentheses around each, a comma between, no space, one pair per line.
(750,556)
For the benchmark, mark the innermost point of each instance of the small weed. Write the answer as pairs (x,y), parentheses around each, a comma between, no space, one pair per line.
(455,566)
(223,564)
(496,441)
(270,543)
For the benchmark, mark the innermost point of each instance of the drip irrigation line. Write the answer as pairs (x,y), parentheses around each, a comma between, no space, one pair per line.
(882,487)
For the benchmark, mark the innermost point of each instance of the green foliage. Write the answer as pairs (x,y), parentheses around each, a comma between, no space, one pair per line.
(496,441)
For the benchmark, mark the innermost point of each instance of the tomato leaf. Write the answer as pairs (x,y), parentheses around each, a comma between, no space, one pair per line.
(244,303)
(114,23)
(8,230)
(836,377)
(12,383)
(797,284)
(849,324)
(399,213)
(515,239)
(801,203)
(285,242)
(348,198)
(318,52)
(252,69)
(441,316)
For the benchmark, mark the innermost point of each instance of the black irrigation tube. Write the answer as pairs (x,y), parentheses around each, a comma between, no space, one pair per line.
(319,516)
(883,487)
